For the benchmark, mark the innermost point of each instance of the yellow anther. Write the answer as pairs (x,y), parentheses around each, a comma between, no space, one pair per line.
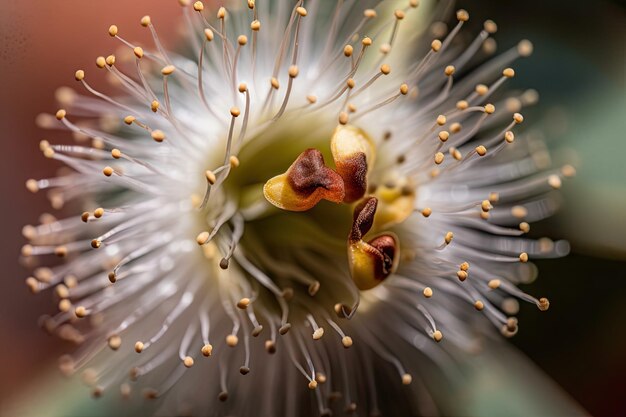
(101,62)
(168,70)
(370,262)
(158,135)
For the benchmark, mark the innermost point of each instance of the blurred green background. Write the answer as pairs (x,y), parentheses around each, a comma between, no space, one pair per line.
(579,68)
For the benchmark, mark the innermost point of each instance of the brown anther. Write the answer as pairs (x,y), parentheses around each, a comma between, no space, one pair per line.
(210,176)
(243,303)
(158,135)
(481,89)
(346,341)
(428,292)
(168,70)
(314,288)
(490,26)
(374,261)
(462,275)
(114,342)
(568,171)
(188,361)
(207,350)
(270,347)
(60,251)
(494,284)
(554,181)
(462,104)
(232,340)
(543,304)
(32,185)
(80,312)
(508,73)
(481,150)
(437,335)
(525,48)
(479,305)
(426,211)
(369,13)
(462,15)
(101,62)
(307,181)
(284,329)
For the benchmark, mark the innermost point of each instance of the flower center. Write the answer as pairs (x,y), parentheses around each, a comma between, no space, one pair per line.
(315,202)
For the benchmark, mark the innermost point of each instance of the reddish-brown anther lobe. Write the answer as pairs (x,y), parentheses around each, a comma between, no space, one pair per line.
(307,181)
(363,218)
(386,246)
(309,173)
(353,170)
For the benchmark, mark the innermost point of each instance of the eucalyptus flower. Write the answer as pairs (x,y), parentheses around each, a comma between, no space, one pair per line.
(311,208)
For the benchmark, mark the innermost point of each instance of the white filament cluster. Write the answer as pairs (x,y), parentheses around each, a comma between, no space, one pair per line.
(183,284)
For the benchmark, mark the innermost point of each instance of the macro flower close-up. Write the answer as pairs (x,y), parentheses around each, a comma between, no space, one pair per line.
(294,208)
